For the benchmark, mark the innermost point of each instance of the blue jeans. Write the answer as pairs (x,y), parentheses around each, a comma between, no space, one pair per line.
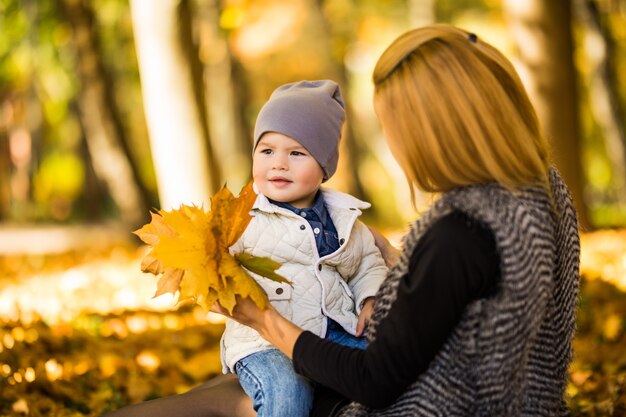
(275,388)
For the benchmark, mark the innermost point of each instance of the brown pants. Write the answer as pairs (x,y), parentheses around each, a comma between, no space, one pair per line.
(222,396)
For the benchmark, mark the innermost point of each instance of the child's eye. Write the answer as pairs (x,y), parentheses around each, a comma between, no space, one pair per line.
(266,151)
(297,153)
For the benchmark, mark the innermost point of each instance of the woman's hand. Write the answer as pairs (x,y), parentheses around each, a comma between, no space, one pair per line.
(269,323)
(390,253)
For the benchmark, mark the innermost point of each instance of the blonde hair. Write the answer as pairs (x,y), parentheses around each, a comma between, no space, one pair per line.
(455,113)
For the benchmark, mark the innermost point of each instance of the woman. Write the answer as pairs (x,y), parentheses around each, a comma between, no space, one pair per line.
(477,316)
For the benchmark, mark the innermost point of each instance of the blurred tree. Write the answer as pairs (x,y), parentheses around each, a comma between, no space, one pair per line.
(421,12)
(107,144)
(466,10)
(338,35)
(170,71)
(347,29)
(94,196)
(542,30)
(226,93)
(22,111)
(5,166)
(606,104)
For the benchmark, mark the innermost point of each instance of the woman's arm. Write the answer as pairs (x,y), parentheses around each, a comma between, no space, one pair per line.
(453,264)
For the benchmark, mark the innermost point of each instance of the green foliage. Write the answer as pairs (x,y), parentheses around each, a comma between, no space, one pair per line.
(58,182)
(83,363)
(448,10)
(39,80)
(14,27)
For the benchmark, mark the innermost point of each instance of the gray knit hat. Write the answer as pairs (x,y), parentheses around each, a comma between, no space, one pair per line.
(311,112)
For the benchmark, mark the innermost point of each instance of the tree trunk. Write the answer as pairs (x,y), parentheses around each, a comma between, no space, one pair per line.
(192,53)
(24,136)
(5,166)
(542,30)
(354,156)
(94,192)
(605,102)
(241,98)
(367,177)
(176,120)
(106,138)
(230,136)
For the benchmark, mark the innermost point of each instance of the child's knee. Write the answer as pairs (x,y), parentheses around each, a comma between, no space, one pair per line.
(275,389)
(289,397)
(288,385)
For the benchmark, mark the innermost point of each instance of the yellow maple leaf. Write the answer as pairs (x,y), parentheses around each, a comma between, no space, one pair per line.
(190,252)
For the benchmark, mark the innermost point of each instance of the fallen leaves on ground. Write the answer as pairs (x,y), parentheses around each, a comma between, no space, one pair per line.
(603,256)
(98,363)
(106,344)
(598,372)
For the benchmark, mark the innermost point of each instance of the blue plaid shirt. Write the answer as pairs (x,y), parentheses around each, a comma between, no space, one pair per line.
(324,230)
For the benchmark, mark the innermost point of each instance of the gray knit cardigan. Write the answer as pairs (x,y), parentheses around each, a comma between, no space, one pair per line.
(509,354)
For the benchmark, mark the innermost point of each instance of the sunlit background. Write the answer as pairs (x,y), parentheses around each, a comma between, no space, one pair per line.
(110,108)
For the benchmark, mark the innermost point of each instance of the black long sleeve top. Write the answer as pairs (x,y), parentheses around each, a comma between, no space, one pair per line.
(454,263)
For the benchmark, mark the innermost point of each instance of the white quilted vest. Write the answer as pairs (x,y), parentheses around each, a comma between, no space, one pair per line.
(332,286)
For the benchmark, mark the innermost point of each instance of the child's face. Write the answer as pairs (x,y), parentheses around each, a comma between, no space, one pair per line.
(285,171)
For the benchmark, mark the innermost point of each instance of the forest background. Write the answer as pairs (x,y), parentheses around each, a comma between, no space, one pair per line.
(110,108)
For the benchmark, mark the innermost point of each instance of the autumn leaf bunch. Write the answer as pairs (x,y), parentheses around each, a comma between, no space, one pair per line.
(190,252)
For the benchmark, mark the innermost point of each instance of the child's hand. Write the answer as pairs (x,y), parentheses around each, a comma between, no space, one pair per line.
(364,317)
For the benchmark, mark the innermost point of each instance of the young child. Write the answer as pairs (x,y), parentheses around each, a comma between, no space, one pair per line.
(327,254)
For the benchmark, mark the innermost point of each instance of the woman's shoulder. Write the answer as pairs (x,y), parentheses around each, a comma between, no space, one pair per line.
(458,231)
(457,221)
(500,209)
